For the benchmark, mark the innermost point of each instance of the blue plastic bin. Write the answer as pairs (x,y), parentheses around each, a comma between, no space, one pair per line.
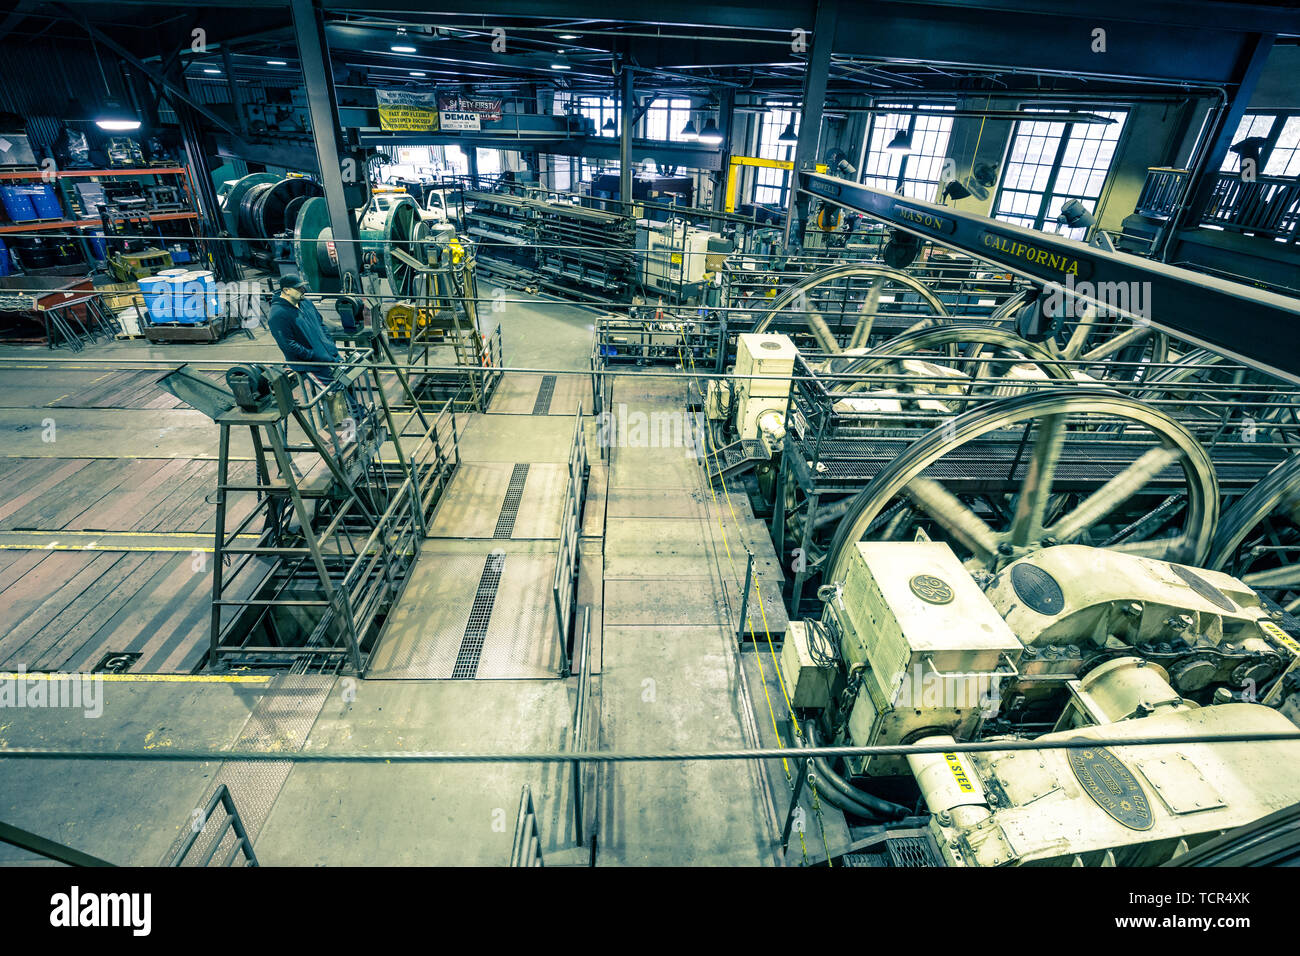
(18,203)
(46,201)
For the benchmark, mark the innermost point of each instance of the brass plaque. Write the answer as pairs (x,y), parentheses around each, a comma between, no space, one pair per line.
(1112,786)
(931,589)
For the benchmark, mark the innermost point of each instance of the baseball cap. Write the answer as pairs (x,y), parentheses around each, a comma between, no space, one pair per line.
(292,281)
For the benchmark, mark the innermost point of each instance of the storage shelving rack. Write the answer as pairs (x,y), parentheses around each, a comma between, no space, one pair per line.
(63,176)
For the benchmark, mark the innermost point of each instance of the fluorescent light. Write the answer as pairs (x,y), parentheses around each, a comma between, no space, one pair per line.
(399,48)
(210,70)
(118,126)
(560,62)
(276,63)
(417,73)
(568,36)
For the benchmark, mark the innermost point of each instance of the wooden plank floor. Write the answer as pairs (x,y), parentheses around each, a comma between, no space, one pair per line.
(66,603)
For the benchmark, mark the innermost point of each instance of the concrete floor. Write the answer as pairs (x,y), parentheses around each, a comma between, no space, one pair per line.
(667,672)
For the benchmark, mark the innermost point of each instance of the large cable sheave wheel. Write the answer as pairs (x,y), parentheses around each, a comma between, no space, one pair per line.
(1004,517)
(1258,538)
(973,342)
(800,295)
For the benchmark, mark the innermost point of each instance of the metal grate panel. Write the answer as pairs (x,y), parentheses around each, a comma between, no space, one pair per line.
(280,721)
(423,636)
(544,395)
(480,614)
(510,506)
(910,852)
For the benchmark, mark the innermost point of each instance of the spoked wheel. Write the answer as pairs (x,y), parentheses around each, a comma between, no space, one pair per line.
(982,353)
(1023,473)
(1094,340)
(814,297)
(1223,400)
(1258,539)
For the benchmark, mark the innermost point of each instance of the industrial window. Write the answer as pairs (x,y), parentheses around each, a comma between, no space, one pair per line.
(1050,163)
(456,160)
(913,171)
(665,119)
(1280,153)
(600,109)
(589,169)
(489,161)
(770,184)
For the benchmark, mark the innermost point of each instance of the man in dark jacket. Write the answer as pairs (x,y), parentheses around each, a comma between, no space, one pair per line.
(300,331)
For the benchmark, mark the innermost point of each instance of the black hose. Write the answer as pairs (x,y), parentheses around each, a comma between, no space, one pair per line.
(862,803)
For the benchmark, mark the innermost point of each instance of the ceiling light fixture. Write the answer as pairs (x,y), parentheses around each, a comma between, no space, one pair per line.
(711,135)
(788,135)
(902,141)
(568,36)
(608,125)
(688,131)
(113,117)
(417,73)
(276,63)
(560,62)
(208,69)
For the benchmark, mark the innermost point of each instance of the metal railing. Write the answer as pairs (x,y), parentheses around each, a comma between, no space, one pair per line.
(1162,192)
(34,843)
(360,540)
(649,336)
(231,823)
(527,849)
(566,561)
(579,737)
(1265,206)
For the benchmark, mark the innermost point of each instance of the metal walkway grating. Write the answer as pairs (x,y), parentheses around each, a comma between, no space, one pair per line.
(480,614)
(510,506)
(281,720)
(544,395)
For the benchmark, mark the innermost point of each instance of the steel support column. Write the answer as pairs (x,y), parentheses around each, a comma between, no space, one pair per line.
(726,116)
(318,78)
(810,113)
(625,135)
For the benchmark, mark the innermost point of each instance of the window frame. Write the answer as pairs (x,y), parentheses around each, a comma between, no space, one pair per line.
(901,178)
(1049,191)
(1232,162)
(768,177)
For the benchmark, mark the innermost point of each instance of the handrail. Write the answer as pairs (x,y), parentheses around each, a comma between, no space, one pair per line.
(527,848)
(578,737)
(232,822)
(1265,205)
(566,559)
(41,846)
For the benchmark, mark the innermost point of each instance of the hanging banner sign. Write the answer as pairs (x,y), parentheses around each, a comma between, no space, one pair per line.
(489,111)
(456,120)
(402,112)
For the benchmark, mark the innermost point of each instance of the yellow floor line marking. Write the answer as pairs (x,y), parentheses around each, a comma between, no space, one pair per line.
(147,678)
